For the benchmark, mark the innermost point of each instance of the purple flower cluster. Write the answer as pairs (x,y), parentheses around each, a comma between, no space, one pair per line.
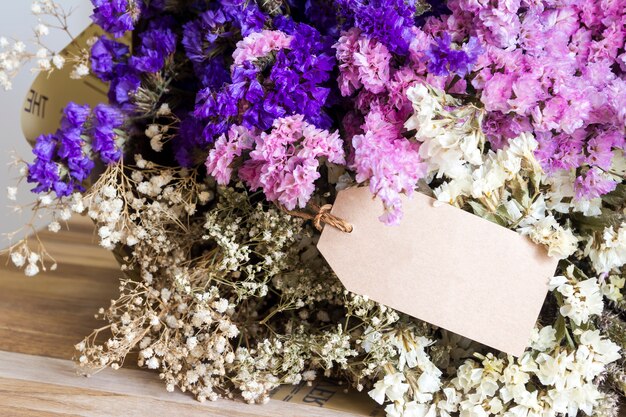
(116,16)
(111,60)
(64,160)
(443,59)
(208,39)
(158,42)
(556,71)
(388,21)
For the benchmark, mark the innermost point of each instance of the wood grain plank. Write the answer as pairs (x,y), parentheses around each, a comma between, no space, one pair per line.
(52,385)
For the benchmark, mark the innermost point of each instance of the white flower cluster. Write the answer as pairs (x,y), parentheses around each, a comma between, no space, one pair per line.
(448,145)
(452,147)
(609,252)
(581,299)
(505,386)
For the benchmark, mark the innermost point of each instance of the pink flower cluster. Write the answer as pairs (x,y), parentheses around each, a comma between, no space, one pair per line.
(283,163)
(556,69)
(553,69)
(380,154)
(259,44)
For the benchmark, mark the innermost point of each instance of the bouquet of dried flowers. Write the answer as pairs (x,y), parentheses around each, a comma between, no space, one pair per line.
(230,122)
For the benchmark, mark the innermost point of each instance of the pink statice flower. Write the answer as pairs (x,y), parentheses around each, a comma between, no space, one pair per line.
(259,44)
(363,62)
(284,163)
(227,148)
(497,92)
(372,61)
(346,47)
(389,162)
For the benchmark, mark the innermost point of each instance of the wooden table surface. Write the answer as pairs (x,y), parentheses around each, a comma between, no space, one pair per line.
(41,319)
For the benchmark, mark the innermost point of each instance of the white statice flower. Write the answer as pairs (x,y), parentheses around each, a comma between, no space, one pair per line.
(561,242)
(610,251)
(612,289)
(392,386)
(12,193)
(561,196)
(544,339)
(581,299)
(450,191)
(602,349)
(79,71)
(447,144)
(425,106)
(488,178)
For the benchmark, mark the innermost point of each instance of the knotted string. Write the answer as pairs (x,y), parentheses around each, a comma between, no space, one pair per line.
(322,216)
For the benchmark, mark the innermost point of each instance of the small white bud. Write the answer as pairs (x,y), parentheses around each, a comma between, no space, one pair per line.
(12,193)
(42,30)
(31,270)
(54,227)
(18,259)
(58,61)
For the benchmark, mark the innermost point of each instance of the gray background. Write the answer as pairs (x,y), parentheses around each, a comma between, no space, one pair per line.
(16,21)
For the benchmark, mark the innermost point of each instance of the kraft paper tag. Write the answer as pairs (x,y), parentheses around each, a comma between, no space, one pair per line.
(442,265)
(50,93)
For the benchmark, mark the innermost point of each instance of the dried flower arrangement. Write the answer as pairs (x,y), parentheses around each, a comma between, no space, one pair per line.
(232,121)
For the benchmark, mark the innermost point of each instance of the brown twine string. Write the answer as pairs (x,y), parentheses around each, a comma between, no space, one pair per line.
(322,216)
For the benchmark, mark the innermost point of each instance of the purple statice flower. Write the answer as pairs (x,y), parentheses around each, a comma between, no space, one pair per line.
(106,54)
(245,14)
(157,43)
(123,86)
(220,108)
(283,163)
(64,160)
(444,59)
(44,172)
(71,151)
(560,152)
(388,21)
(189,140)
(109,61)
(106,120)
(593,184)
(116,16)
(210,38)
(300,75)
(75,116)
